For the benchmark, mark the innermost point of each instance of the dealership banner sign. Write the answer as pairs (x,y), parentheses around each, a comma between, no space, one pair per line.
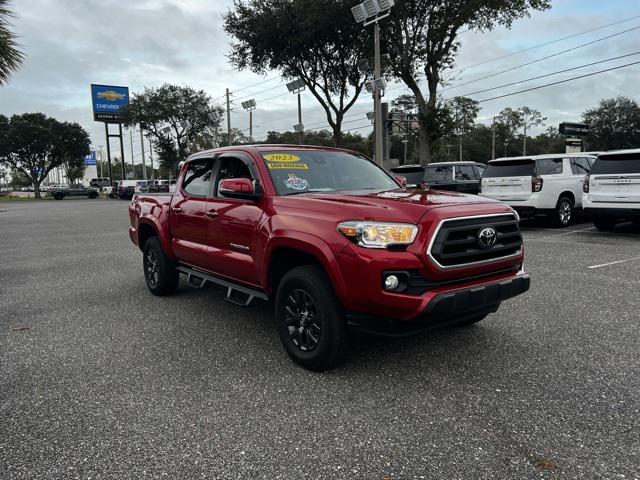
(108,102)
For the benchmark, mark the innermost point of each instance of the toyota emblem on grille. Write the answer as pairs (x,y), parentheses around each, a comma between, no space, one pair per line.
(487,238)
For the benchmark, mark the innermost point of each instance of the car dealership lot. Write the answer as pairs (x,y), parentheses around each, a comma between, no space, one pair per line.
(99,379)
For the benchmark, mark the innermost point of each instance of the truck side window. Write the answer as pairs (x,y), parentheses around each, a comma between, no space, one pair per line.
(580,166)
(197,178)
(231,167)
(549,166)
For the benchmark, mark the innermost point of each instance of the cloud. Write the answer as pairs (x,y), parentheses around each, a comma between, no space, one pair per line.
(71,44)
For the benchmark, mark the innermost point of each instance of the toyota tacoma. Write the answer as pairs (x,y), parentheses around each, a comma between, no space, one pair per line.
(333,240)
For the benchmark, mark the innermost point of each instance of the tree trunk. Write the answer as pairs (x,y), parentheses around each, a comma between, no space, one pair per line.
(36,190)
(337,135)
(424,146)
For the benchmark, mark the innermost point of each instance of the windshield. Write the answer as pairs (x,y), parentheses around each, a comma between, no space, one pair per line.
(294,172)
(510,168)
(616,164)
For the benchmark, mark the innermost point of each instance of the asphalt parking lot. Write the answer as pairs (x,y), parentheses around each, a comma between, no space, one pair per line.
(98,379)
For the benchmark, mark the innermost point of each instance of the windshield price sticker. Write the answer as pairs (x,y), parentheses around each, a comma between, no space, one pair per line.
(296,183)
(282,157)
(290,166)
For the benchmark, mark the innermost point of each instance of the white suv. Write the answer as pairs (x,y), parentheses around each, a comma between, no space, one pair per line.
(612,190)
(547,184)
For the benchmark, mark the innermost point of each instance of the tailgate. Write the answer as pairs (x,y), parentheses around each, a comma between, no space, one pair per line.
(507,188)
(615,188)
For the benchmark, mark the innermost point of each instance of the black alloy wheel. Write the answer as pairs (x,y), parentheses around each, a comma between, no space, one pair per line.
(303,320)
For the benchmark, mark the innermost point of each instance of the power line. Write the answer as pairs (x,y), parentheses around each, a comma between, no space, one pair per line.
(559,82)
(551,74)
(545,44)
(541,59)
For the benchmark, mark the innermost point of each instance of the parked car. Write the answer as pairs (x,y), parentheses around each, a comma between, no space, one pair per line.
(542,184)
(100,182)
(611,192)
(126,188)
(75,190)
(333,240)
(453,176)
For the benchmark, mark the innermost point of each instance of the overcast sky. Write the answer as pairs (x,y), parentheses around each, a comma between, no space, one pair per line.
(71,44)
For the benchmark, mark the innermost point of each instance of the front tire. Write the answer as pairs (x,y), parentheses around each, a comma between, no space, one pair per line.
(604,224)
(563,213)
(310,319)
(160,272)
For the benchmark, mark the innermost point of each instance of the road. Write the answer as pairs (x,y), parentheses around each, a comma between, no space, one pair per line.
(99,379)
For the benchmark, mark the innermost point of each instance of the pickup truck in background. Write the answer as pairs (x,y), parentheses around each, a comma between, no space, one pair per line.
(333,240)
(74,190)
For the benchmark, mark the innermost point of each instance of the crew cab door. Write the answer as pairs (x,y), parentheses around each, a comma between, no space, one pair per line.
(187,218)
(233,224)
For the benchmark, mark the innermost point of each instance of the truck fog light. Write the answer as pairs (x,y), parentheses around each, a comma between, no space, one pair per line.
(391,282)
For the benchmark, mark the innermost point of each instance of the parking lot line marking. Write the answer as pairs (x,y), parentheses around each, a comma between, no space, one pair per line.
(615,263)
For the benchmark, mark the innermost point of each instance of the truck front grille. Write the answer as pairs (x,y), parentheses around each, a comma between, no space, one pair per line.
(456,242)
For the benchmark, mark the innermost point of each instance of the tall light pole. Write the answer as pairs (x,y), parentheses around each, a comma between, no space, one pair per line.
(250,106)
(153,173)
(296,87)
(133,165)
(368,12)
(144,163)
(493,139)
(100,150)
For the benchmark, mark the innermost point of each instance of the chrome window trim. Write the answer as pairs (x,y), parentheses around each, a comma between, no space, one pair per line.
(481,262)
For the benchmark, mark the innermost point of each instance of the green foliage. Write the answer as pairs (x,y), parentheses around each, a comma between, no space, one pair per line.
(422,38)
(465,111)
(34,144)
(10,55)
(316,41)
(614,124)
(350,140)
(176,118)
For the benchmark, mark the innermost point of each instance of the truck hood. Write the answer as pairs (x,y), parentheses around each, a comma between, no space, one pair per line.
(400,205)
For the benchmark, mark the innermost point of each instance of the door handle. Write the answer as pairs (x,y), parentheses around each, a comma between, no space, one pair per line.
(176,210)
(212,214)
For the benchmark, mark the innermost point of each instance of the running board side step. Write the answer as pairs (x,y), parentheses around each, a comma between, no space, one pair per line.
(237,294)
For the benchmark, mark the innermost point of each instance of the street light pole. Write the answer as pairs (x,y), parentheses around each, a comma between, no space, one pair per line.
(133,165)
(144,163)
(153,173)
(297,86)
(250,106)
(300,117)
(377,103)
(493,139)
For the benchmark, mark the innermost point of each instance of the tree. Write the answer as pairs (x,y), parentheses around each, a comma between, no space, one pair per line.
(465,111)
(549,141)
(237,138)
(317,42)
(174,117)
(614,124)
(507,124)
(530,118)
(421,37)
(35,144)
(10,56)
(350,140)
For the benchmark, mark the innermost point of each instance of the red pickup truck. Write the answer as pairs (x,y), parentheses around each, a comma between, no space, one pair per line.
(333,240)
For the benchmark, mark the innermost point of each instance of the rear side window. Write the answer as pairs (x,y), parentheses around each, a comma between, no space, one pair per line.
(465,172)
(197,178)
(439,173)
(479,170)
(549,166)
(510,168)
(617,164)
(580,166)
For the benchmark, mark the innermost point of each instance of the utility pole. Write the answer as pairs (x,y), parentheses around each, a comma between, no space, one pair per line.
(524,145)
(153,172)
(101,161)
(300,118)
(229,118)
(124,173)
(377,97)
(144,164)
(460,158)
(133,165)
(493,139)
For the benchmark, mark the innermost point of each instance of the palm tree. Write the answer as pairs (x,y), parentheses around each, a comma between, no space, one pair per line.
(10,56)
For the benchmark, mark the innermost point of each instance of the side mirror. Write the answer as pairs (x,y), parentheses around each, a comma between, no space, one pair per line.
(240,188)
(401,180)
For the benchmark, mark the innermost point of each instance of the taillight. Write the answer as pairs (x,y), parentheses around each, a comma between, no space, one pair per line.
(536,184)
(585,185)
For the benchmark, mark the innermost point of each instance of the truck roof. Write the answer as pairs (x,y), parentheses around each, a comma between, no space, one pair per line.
(540,157)
(258,148)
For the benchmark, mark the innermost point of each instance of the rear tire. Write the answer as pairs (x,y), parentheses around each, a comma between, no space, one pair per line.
(310,319)
(58,196)
(563,213)
(604,224)
(160,272)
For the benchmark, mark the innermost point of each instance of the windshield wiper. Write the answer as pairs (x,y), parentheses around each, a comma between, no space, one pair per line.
(313,190)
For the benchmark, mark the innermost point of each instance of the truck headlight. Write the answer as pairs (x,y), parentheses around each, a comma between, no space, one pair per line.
(378,234)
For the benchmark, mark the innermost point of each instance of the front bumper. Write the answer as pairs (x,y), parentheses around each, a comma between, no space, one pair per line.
(445,308)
